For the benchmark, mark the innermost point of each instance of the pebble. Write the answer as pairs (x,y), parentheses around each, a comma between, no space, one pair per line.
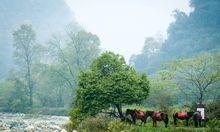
(32,123)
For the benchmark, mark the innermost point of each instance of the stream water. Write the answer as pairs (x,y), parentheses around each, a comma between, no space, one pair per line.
(29,123)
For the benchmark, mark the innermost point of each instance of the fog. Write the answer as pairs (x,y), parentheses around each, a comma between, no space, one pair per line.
(123,25)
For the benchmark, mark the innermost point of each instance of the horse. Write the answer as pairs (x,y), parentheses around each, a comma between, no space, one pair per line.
(197,117)
(136,114)
(158,116)
(186,116)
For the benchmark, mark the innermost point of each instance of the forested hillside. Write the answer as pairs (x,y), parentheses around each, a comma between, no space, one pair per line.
(188,35)
(41,54)
(46,16)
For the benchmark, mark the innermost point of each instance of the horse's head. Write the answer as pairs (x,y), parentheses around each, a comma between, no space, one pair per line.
(129,112)
(197,115)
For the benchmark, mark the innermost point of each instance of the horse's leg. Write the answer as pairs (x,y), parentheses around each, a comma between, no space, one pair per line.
(134,120)
(175,120)
(200,124)
(166,120)
(142,120)
(187,121)
(153,123)
(196,122)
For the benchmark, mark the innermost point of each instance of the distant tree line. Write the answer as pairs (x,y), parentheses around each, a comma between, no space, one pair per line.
(45,75)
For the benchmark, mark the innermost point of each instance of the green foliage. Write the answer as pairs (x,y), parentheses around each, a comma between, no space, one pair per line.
(90,124)
(18,99)
(163,90)
(213,109)
(98,124)
(148,55)
(25,51)
(198,75)
(68,56)
(184,39)
(109,81)
(214,124)
(118,126)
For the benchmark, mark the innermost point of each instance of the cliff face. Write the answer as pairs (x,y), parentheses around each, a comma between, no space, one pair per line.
(46,16)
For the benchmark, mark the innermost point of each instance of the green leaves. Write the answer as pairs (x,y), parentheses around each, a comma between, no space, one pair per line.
(109,81)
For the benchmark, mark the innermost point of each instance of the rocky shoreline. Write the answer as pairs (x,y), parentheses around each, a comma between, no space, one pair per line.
(29,122)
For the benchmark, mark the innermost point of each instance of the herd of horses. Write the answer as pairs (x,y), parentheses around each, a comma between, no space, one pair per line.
(160,116)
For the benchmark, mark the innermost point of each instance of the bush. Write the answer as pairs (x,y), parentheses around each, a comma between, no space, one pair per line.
(69,127)
(213,110)
(214,123)
(118,126)
(91,124)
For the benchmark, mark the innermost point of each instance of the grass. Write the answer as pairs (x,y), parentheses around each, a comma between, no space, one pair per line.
(148,127)
(102,124)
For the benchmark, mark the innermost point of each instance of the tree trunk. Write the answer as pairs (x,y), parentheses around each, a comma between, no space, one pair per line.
(30,85)
(119,108)
(201,98)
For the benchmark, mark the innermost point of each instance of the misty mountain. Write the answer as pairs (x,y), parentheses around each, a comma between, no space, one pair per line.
(195,33)
(46,16)
(188,35)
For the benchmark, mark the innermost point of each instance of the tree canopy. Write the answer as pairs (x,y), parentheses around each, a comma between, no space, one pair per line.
(109,81)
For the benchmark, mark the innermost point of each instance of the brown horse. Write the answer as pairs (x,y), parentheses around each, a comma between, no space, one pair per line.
(186,116)
(158,116)
(136,114)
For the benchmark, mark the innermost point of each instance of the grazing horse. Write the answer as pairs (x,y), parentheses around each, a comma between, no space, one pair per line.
(136,114)
(186,116)
(197,117)
(158,116)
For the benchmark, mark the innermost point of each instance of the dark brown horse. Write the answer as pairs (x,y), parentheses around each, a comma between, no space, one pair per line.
(197,118)
(186,116)
(158,116)
(136,114)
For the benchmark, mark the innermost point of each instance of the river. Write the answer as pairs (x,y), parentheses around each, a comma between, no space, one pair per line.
(30,122)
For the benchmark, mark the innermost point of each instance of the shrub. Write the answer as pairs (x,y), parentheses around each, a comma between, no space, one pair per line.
(213,124)
(69,127)
(118,126)
(91,124)
(213,109)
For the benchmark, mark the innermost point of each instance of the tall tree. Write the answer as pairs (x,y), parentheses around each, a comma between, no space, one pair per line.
(109,82)
(72,54)
(25,53)
(198,75)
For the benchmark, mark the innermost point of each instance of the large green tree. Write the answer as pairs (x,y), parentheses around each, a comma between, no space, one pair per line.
(109,82)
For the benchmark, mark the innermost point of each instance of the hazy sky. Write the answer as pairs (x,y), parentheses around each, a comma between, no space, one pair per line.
(123,25)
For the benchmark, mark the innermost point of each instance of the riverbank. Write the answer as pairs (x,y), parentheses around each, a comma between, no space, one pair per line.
(31,122)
